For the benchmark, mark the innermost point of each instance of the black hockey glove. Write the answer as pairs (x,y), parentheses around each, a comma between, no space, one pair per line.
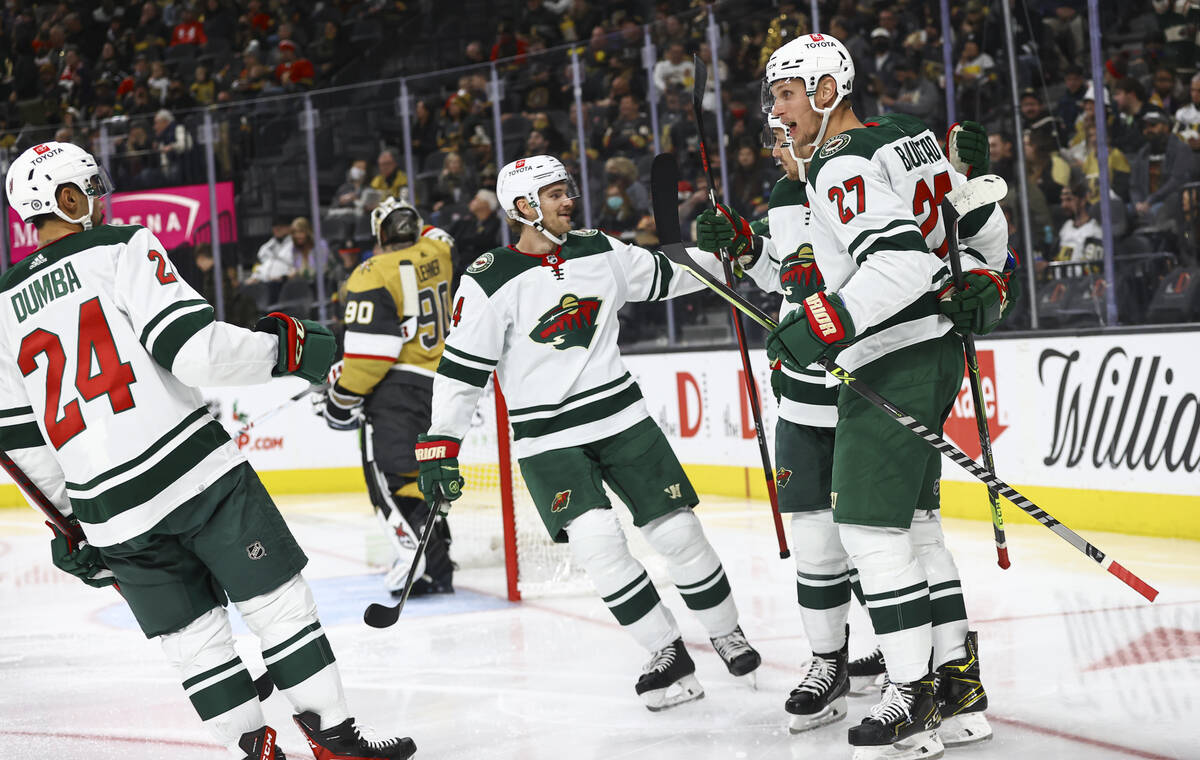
(306,348)
(343,409)
(438,478)
(78,558)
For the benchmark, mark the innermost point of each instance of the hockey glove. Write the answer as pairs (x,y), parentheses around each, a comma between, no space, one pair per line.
(438,478)
(723,228)
(343,409)
(822,328)
(980,306)
(777,380)
(306,348)
(967,148)
(78,558)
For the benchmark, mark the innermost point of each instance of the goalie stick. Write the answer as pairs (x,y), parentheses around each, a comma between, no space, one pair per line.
(664,194)
(964,199)
(383,615)
(700,79)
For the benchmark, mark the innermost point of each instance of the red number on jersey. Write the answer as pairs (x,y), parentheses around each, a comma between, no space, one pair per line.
(923,197)
(113,379)
(852,185)
(165,276)
(457,311)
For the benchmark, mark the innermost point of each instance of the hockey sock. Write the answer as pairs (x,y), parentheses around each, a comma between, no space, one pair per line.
(856,586)
(295,649)
(896,594)
(695,569)
(822,579)
(947,611)
(214,678)
(598,545)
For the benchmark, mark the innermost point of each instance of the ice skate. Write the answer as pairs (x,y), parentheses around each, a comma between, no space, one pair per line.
(820,699)
(260,745)
(867,674)
(669,678)
(903,726)
(345,742)
(962,700)
(739,657)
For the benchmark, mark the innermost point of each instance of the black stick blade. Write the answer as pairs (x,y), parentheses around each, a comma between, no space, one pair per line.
(381,615)
(664,194)
(699,81)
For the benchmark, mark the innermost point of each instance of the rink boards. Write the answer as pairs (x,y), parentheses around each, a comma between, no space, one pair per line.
(1101,431)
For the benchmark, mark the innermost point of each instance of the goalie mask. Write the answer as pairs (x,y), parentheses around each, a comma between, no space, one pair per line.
(395,222)
(35,176)
(809,59)
(525,178)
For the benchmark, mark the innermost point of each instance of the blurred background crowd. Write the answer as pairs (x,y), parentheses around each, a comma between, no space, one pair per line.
(321,109)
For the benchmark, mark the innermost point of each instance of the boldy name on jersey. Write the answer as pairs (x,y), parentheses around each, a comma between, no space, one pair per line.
(53,284)
(914,153)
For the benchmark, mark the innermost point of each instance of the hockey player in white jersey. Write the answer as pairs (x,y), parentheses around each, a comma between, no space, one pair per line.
(102,347)
(543,315)
(875,191)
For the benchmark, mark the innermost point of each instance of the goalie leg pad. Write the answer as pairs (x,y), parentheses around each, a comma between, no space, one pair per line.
(214,678)
(947,610)
(295,649)
(897,596)
(695,569)
(822,579)
(598,545)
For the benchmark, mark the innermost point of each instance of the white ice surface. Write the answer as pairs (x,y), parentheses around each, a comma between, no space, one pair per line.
(1076,665)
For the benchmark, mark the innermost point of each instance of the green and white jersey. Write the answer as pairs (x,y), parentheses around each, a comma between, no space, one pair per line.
(101,345)
(787,266)
(547,324)
(876,192)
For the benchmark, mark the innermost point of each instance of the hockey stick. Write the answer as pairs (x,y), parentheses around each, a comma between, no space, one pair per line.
(700,79)
(382,615)
(664,194)
(276,410)
(974,194)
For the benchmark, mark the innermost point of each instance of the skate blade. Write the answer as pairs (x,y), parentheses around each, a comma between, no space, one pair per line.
(832,713)
(866,686)
(964,729)
(920,746)
(749,680)
(686,689)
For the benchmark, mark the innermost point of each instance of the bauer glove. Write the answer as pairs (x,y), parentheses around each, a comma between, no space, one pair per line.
(77,557)
(822,328)
(981,303)
(437,477)
(967,148)
(722,228)
(343,409)
(306,348)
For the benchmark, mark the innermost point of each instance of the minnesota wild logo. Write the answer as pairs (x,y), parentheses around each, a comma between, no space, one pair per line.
(782,476)
(571,323)
(798,273)
(561,500)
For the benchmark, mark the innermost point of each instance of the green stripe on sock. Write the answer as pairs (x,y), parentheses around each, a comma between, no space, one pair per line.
(190,682)
(625,589)
(947,609)
(637,606)
(856,587)
(822,597)
(687,587)
(224,695)
(271,652)
(893,618)
(709,597)
(944,585)
(303,664)
(897,593)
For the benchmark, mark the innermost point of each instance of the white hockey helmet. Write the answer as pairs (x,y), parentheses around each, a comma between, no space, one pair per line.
(810,59)
(395,221)
(524,178)
(35,176)
(776,123)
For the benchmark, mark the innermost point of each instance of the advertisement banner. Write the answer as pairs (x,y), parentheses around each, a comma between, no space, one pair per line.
(176,215)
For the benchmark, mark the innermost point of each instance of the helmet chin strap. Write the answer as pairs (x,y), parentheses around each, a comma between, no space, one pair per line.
(85,220)
(820,138)
(537,225)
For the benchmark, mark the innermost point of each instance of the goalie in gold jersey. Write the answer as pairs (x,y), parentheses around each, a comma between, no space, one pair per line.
(396,320)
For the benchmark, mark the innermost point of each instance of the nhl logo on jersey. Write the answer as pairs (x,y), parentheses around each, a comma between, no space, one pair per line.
(571,323)
(782,476)
(834,144)
(561,500)
(256,550)
(481,263)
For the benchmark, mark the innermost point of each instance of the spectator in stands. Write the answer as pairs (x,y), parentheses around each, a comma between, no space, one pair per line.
(139,167)
(307,252)
(293,72)
(750,181)
(188,31)
(275,258)
(629,134)
(537,144)
(879,65)
(1035,118)
(456,124)
(174,146)
(974,75)
(1166,94)
(424,130)
(478,231)
(455,183)
(1080,238)
(1000,148)
(1187,124)
(675,70)
(390,180)
(1126,132)
(219,21)
(1159,171)
(709,103)
(1118,169)
(158,82)
(239,308)
(916,96)
(622,172)
(203,88)
(350,193)
(1070,103)
(149,35)
(331,52)
(617,217)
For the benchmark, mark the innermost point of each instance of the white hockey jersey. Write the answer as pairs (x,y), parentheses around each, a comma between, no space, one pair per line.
(877,192)
(547,325)
(101,347)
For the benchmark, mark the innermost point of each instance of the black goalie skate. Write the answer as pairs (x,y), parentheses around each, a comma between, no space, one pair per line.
(739,657)
(903,726)
(260,745)
(866,674)
(345,742)
(669,678)
(962,700)
(820,699)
